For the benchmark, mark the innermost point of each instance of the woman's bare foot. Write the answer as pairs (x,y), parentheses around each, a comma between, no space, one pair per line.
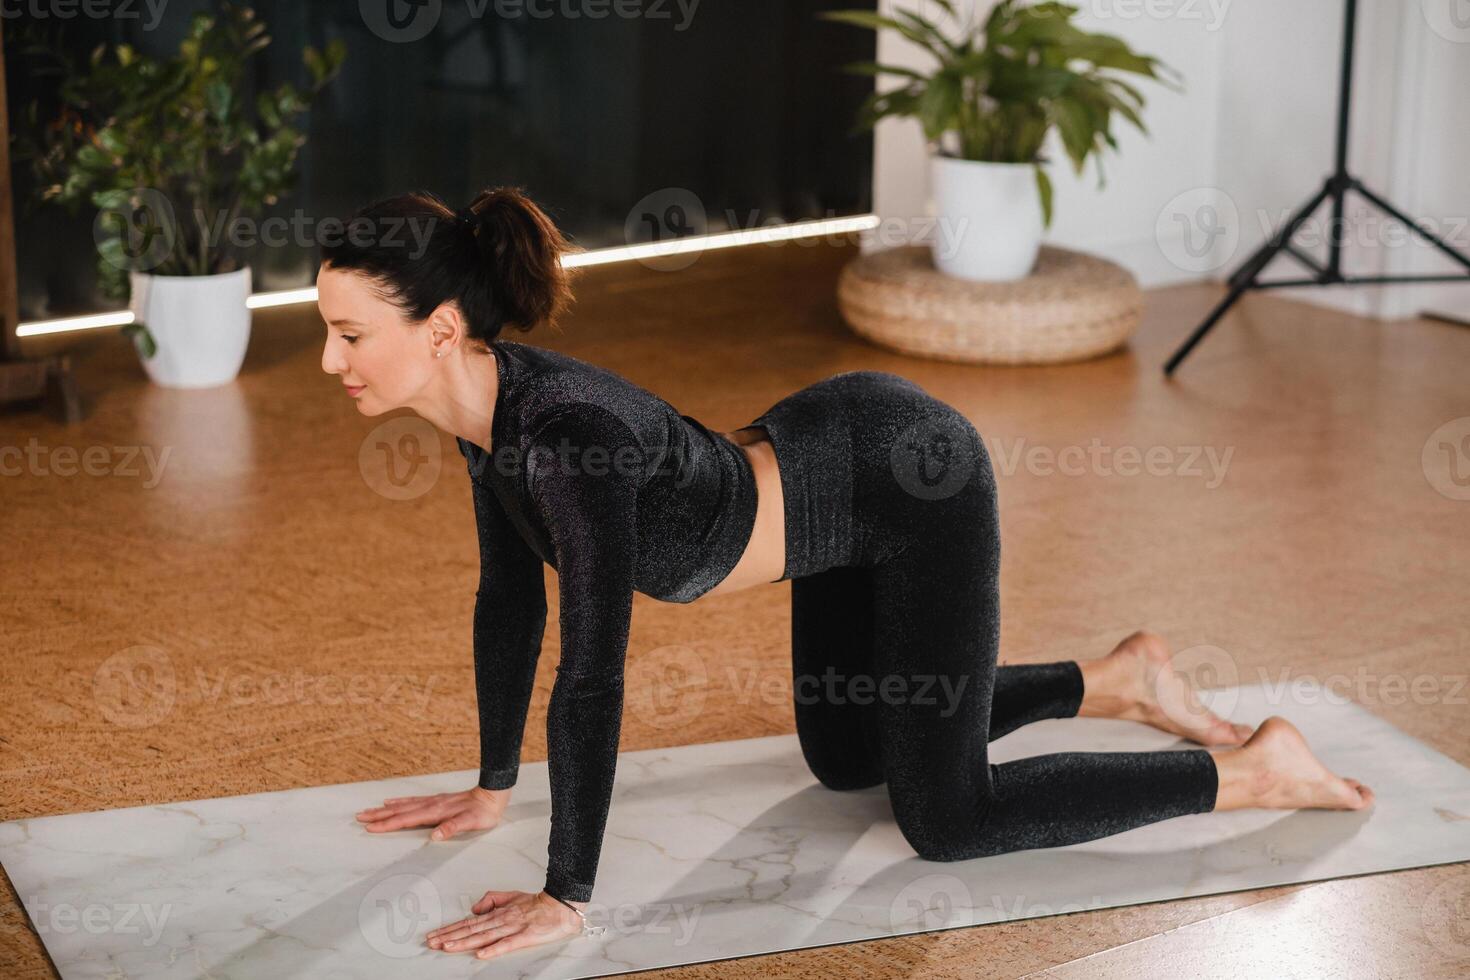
(1275,769)
(1137,682)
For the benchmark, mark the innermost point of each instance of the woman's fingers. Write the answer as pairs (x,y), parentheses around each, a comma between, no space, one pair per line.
(444,930)
(398,803)
(460,821)
(462,928)
(511,920)
(380,812)
(494,936)
(405,818)
(377,811)
(508,944)
(452,813)
(459,936)
(489,901)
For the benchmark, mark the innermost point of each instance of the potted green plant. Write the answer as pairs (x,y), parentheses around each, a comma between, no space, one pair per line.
(173,154)
(997,91)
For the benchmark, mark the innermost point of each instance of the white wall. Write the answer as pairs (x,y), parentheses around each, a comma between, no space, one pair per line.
(1251,138)
(1119,220)
(1278,117)
(1432,179)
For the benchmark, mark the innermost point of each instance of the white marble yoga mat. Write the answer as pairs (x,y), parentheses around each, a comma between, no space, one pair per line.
(712,851)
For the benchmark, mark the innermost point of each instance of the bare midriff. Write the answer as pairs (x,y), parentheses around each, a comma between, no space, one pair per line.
(764,558)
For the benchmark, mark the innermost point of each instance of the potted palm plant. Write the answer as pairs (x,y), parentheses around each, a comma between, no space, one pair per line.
(996,92)
(173,154)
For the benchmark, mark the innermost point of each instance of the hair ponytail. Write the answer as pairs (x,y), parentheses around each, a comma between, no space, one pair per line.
(499,258)
(520,250)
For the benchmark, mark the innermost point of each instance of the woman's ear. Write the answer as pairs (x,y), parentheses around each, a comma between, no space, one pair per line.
(448,327)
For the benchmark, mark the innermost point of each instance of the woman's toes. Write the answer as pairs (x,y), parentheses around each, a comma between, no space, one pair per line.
(1364,793)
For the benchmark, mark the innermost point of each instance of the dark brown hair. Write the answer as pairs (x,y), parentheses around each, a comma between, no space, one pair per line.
(502,264)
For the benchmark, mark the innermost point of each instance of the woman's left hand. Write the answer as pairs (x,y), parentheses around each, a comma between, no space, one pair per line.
(507,921)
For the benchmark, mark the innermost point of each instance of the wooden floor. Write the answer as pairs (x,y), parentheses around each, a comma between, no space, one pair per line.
(258,617)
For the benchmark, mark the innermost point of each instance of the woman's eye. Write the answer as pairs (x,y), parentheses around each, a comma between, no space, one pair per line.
(350,340)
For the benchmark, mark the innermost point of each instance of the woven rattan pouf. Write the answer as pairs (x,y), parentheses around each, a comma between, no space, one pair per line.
(1072,306)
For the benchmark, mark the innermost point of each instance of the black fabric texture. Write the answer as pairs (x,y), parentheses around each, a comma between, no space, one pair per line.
(617,491)
(893,551)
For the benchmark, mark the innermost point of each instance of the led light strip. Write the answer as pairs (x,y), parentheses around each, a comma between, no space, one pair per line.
(601,256)
(727,239)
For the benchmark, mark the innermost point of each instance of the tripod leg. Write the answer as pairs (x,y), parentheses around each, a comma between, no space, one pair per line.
(1252,266)
(1244,271)
(1235,293)
(1245,277)
(1428,236)
(1254,262)
(1257,260)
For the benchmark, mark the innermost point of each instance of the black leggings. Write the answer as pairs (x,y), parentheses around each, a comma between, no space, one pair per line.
(893,551)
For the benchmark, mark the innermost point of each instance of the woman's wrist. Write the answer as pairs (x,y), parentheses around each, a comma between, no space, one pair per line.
(587,928)
(578,906)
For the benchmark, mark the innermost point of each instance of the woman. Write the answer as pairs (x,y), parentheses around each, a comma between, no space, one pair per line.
(875,499)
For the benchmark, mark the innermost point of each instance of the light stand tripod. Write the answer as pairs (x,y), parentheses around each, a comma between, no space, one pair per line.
(1245,277)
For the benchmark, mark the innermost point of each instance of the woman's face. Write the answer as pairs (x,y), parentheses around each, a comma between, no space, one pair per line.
(383,358)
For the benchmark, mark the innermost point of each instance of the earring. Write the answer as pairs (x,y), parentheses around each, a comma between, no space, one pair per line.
(438,353)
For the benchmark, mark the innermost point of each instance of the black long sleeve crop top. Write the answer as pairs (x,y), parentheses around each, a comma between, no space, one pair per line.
(617,491)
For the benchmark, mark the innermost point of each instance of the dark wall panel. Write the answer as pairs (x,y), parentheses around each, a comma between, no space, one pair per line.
(740,105)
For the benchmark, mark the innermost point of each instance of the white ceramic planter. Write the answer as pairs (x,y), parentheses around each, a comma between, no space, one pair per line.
(200,324)
(990,216)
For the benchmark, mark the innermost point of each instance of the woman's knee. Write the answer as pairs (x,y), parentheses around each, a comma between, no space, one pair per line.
(944,824)
(840,758)
(941,837)
(848,779)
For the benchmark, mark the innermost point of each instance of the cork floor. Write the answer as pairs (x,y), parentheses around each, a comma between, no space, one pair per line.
(212,597)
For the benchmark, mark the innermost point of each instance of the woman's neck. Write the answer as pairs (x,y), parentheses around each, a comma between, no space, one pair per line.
(462,399)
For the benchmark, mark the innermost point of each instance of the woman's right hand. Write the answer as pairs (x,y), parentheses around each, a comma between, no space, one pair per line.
(448,813)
